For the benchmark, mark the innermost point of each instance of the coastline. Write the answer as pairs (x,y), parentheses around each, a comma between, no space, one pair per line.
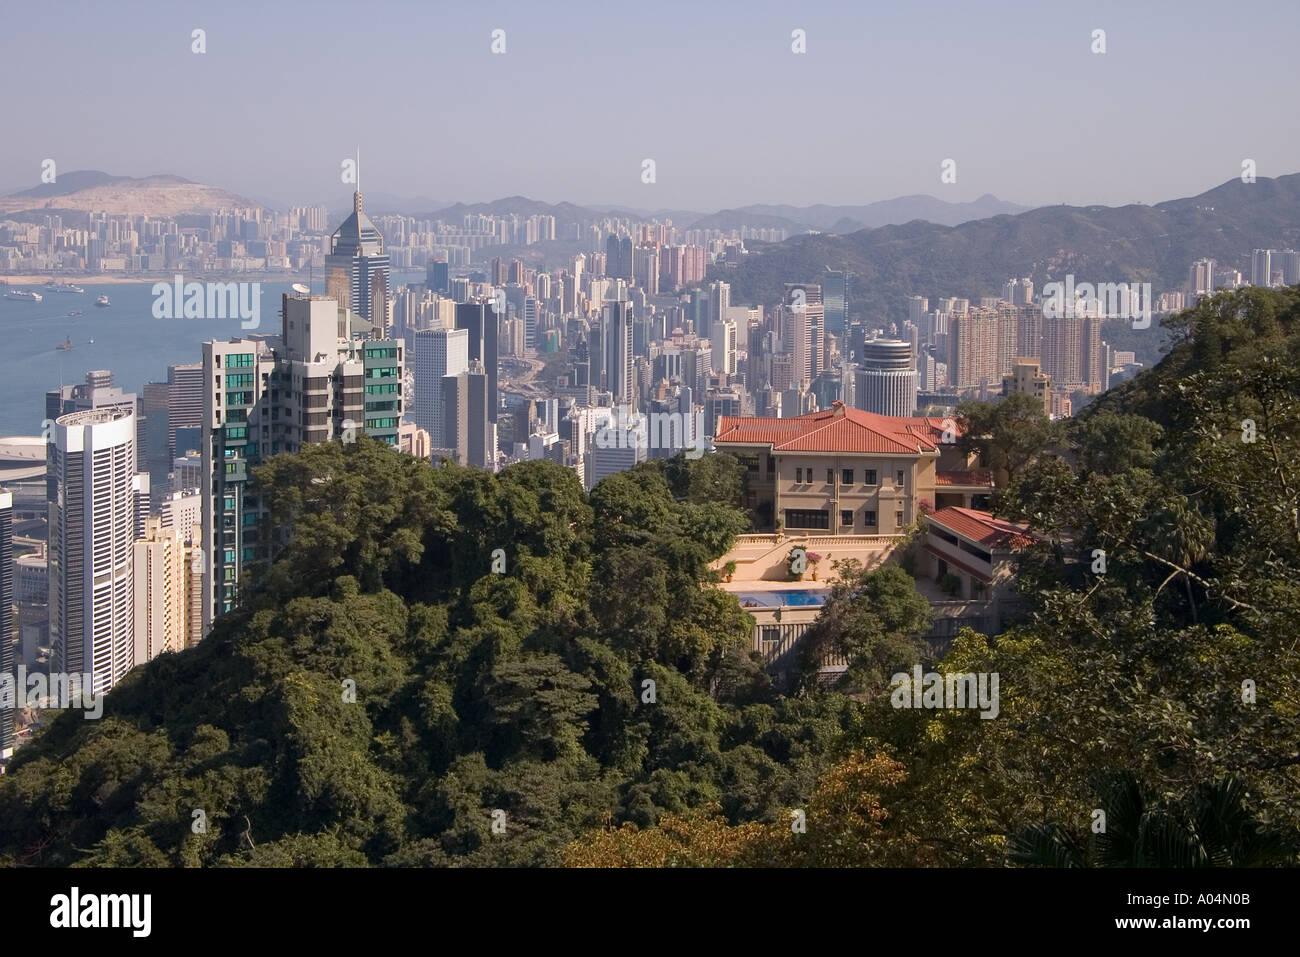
(29,280)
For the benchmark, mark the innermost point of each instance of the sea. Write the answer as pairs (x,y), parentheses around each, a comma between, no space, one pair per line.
(128,340)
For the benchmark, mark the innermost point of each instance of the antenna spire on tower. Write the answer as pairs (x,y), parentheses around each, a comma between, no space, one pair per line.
(356,197)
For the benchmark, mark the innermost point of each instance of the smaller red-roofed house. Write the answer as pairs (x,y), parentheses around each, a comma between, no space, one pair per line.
(978,550)
(844,471)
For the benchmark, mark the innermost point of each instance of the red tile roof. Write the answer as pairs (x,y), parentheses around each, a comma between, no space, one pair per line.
(979,477)
(982,527)
(837,429)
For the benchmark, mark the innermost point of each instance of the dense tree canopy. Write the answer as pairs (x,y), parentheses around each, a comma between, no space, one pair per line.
(383,697)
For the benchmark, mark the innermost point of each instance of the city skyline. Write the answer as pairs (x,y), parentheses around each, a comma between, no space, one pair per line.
(876,446)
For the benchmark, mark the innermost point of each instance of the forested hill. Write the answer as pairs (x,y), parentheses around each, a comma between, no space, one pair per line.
(1135,243)
(1159,684)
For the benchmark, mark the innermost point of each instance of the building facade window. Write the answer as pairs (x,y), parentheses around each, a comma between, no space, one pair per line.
(815,518)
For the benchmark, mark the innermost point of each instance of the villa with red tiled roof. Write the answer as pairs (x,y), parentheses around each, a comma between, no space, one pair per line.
(971,555)
(843,471)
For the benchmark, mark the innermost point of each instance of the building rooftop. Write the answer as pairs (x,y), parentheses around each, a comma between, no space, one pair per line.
(94,416)
(837,429)
(357,235)
(964,477)
(982,527)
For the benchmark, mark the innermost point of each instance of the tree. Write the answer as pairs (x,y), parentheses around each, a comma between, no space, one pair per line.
(874,619)
(1006,435)
(1110,443)
(1209,828)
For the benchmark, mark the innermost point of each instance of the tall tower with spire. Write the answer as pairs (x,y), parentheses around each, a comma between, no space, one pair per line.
(356,269)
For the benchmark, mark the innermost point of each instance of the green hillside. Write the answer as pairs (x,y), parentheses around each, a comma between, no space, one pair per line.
(1155,244)
(1162,688)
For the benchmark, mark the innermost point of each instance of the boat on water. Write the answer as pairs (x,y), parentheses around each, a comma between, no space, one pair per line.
(62,287)
(92,342)
(24,295)
(74,313)
(102,301)
(65,345)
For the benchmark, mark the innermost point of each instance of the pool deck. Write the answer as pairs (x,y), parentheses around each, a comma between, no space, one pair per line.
(765,593)
(761,584)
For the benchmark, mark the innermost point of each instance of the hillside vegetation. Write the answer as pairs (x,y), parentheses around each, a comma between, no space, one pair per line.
(1135,243)
(1159,686)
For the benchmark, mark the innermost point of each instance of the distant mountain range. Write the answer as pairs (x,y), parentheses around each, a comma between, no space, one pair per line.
(895,248)
(516,205)
(850,219)
(1139,243)
(795,219)
(85,191)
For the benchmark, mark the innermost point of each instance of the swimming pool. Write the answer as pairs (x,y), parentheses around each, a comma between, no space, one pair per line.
(776,599)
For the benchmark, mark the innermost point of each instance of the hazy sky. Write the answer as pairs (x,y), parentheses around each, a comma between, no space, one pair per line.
(707,88)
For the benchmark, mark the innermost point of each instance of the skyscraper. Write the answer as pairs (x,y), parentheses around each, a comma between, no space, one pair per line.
(1063,351)
(437,276)
(231,443)
(719,303)
(1261,267)
(91,526)
(185,388)
(1201,277)
(156,455)
(466,429)
(530,322)
(1029,332)
(356,270)
(97,392)
(481,321)
(1008,319)
(723,335)
(435,354)
(162,590)
(886,382)
(835,299)
(1289,260)
(313,383)
(803,330)
(618,352)
(917,306)
(618,257)
(1094,367)
(973,349)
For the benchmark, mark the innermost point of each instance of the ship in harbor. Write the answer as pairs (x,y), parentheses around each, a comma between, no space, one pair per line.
(62,287)
(102,301)
(67,344)
(24,295)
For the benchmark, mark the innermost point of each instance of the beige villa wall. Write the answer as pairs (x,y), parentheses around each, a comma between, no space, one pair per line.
(762,558)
